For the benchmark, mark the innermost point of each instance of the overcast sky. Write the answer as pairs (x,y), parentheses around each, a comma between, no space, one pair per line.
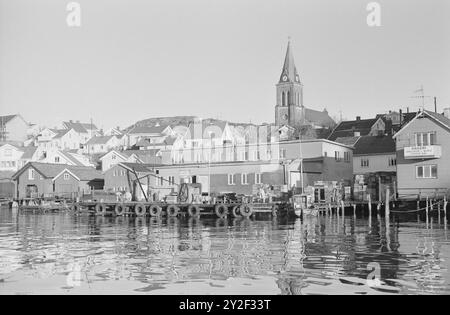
(133,59)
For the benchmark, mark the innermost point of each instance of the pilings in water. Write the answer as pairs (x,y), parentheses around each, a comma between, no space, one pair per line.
(445,212)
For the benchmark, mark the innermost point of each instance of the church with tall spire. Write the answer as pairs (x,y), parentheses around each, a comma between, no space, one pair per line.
(289,109)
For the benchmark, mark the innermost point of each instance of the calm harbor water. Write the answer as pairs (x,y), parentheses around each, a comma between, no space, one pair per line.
(67,254)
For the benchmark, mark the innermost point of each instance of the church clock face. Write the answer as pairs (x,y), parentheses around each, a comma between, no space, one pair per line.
(284,78)
(297,79)
(285,117)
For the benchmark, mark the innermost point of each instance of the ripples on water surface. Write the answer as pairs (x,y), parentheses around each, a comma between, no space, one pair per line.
(66,254)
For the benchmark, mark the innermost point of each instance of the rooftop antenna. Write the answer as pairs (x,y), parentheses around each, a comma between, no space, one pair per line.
(421,95)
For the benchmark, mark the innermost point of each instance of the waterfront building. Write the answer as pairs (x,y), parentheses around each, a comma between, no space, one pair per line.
(374,167)
(322,160)
(45,180)
(423,155)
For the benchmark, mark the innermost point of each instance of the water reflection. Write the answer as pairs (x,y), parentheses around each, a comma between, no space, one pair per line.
(62,253)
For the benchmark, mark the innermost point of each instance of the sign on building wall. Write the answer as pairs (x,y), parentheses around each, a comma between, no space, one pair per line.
(431,151)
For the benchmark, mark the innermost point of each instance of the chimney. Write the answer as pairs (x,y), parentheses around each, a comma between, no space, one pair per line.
(407,110)
(358,118)
(447,112)
(71,121)
(401,117)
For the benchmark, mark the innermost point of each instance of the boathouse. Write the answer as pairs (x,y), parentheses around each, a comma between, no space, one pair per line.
(48,180)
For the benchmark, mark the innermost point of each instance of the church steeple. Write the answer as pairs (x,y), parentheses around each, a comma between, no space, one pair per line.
(289,107)
(289,72)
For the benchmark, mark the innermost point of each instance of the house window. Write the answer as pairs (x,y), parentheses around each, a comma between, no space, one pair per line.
(31,174)
(66,176)
(347,157)
(424,139)
(392,161)
(426,171)
(337,156)
(282,153)
(56,159)
(231,179)
(365,162)
(113,157)
(171,180)
(244,179)
(258,178)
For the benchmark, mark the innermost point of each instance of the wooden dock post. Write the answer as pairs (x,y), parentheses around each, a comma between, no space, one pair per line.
(343,208)
(426,210)
(439,213)
(354,210)
(387,210)
(370,205)
(445,211)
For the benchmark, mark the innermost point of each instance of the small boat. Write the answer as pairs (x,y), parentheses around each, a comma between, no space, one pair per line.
(303,206)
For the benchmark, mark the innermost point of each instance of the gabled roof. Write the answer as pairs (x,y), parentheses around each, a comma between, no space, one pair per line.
(348,128)
(52,170)
(82,173)
(11,145)
(437,118)
(70,157)
(320,118)
(201,128)
(149,129)
(6,175)
(99,140)
(7,119)
(61,133)
(145,156)
(138,167)
(374,145)
(28,152)
(79,127)
(347,140)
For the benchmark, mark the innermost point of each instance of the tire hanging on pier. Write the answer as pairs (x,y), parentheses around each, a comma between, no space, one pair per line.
(194,211)
(155,211)
(120,209)
(236,211)
(76,208)
(221,211)
(100,209)
(140,210)
(172,210)
(246,210)
(275,210)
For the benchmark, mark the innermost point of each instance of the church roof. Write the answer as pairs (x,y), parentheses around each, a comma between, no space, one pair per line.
(319,118)
(289,68)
